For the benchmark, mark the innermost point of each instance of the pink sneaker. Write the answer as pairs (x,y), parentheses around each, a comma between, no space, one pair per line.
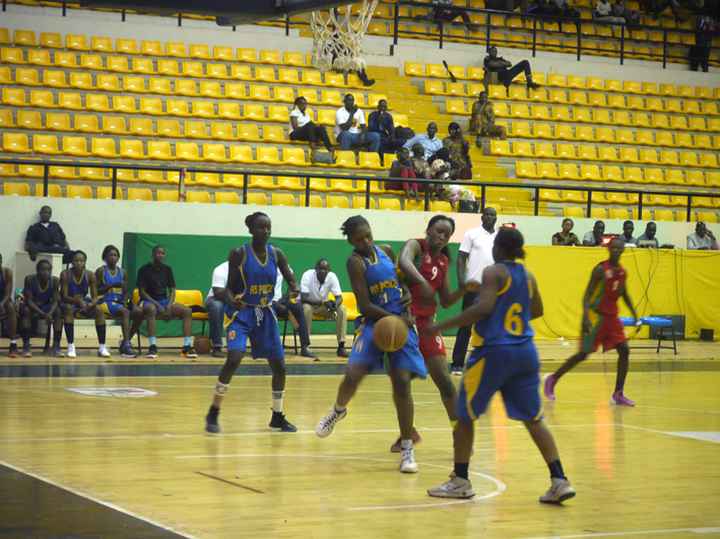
(621,400)
(549,387)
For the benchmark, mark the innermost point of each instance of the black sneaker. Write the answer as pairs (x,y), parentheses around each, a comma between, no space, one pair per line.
(217,352)
(188,352)
(152,352)
(26,351)
(280,423)
(306,352)
(56,351)
(126,351)
(13,351)
(211,421)
(342,351)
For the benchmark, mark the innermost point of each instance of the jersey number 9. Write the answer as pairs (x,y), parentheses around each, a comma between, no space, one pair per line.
(513,321)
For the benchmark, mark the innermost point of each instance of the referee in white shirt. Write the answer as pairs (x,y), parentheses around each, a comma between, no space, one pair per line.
(316,286)
(474,256)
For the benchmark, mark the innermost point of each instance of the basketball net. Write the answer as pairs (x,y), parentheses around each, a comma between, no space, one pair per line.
(338,35)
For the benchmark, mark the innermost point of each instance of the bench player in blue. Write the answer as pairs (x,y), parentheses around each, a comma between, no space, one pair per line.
(504,358)
(378,291)
(248,305)
(8,313)
(41,300)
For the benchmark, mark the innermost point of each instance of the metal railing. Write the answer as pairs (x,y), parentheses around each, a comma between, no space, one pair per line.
(310,177)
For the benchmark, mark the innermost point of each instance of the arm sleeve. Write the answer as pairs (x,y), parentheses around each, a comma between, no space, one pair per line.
(30,235)
(466,244)
(335,285)
(219,277)
(60,232)
(170,278)
(360,116)
(141,278)
(305,282)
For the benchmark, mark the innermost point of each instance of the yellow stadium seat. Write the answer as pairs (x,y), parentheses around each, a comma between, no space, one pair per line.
(668,157)
(222,53)
(100,103)
(165,195)
(605,134)
(254,112)
(94,174)
(24,37)
(701,141)
(75,146)
(548,171)
(54,190)
(151,48)
(87,61)
(695,177)
(337,201)
(131,149)
(227,197)
(65,173)
(229,111)
(68,60)
(618,213)
(27,76)
(103,147)
(174,48)
(629,155)
(198,197)
(159,149)
(389,204)
(569,171)
(587,172)
(82,81)
(51,40)
(177,107)
(659,121)
(6,119)
(109,83)
(573,211)
(195,129)
(186,88)
(192,69)
(294,156)
(241,154)
(648,156)
(79,191)
(45,99)
(140,193)
(522,149)
(168,67)
(708,160)
(134,84)
(674,176)
(119,64)
(265,74)
(582,114)
(123,103)
(200,51)
(235,90)
(678,122)
(104,192)
(214,152)
(611,173)
(221,131)
(27,119)
(345,159)
(39,57)
(126,46)
(288,76)
(168,128)
(525,169)
(15,97)
(607,153)
(76,42)
(187,151)
(260,199)
(291,183)
(520,110)
(283,199)
(12,55)
(16,189)
(687,159)
(47,144)
(274,133)
(500,147)
(259,92)
(210,89)
(370,160)
(151,176)
(544,150)
(455,106)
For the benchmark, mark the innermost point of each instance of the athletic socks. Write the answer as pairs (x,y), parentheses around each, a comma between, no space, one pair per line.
(277,401)
(406,444)
(70,333)
(187,341)
(101,332)
(339,409)
(556,469)
(152,341)
(461,469)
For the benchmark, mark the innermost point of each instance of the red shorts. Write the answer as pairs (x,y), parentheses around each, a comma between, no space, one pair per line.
(605,330)
(430,345)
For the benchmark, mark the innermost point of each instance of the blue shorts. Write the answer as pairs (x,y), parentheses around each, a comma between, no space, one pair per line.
(111,307)
(77,310)
(261,327)
(364,352)
(514,370)
(164,302)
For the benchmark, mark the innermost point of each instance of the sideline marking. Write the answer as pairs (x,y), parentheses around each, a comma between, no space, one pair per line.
(707,530)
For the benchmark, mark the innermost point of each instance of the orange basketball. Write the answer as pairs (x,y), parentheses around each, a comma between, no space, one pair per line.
(390,333)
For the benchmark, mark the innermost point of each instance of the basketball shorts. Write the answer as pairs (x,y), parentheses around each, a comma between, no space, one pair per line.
(604,330)
(513,370)
(77,311)
(261,327)
(111,307)
(365,353)
(164,302)
(45,307)
(430,345)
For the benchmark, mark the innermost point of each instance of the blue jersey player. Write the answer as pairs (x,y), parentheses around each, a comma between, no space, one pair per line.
(248,307)
(504,358)
(41,301)
(377,288)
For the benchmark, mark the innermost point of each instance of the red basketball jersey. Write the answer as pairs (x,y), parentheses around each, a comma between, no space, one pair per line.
(604,299)
(434,269)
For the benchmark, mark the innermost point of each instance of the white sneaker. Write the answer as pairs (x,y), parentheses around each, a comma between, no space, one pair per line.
(71,351)
(327,423)
(457,487)
(407,461)
(559,491)
(103,351)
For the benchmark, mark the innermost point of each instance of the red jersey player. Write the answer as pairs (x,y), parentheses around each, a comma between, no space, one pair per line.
(424,267)
(601,324)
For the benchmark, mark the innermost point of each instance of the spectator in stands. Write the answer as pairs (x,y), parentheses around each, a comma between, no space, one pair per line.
(594,237)
(566,236)
(215,306)
(630,16)
(381,122)
(429,141)
(351,130)
(505,71)
(443,11)
(420,164)
(401,168)
(156,283)
(47,236)
(303,128)
(283,307)
(604,12)
(316,286)
(702,239)
(459,153)
(482,119)
(561,8)
(705,30)
(648,239)
(627,235)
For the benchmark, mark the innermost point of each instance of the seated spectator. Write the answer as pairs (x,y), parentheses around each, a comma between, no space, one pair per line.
(8,313)
(459,153)
(505,71)
(303,128)
(443,11)
(47,236)
(396,170)
(293,310)
(430,142)
(702,239)
(482,119)
(648,239)
(656,7)
(420,164)
(215,306)
(603,12)
(561,8)
(594,237)
(350,128)
(627,235)
(705,30)
(630,16)
(41,301)
(156,283)
(566,236)
(380,121)
(316,286)
(407,172)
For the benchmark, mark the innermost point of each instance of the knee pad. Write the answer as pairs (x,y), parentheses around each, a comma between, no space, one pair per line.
(221,389)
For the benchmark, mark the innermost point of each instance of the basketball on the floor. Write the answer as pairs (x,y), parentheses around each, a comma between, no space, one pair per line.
(390,333)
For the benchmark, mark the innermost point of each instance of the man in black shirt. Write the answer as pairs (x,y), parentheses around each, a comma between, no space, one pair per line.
(156,284)
(47,237)
(506,72)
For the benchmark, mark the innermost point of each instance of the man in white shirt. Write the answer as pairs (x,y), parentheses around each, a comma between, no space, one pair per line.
(474,256)
(316,286)
(282,306)
(215,305)
(351,130)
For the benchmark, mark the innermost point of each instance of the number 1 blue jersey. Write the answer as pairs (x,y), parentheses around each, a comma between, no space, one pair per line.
(509,323)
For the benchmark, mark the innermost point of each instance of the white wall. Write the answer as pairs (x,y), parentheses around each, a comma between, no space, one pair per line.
(92,224)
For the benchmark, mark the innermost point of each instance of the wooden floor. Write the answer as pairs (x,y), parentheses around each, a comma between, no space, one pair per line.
(651,471)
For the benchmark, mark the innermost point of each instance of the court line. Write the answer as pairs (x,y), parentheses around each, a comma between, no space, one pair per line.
(82,494)
(233,483)
(631,532)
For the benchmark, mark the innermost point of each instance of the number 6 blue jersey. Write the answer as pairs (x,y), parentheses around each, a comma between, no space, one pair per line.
(382,281)
(509,322)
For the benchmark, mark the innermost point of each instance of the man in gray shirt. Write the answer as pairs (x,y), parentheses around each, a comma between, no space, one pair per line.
(627,235)
(702,239)
(648,239)
(594,237)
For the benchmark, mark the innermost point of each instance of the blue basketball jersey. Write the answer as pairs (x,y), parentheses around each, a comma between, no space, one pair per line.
(78,289)
(509,322)
(258,278)
(383,283)
(41,296)
(115,293)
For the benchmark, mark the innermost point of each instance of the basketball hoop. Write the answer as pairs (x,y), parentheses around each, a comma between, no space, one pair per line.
(338,35)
